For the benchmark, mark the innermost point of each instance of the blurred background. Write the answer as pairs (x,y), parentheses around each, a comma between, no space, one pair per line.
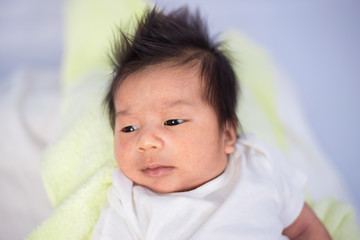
(314,43)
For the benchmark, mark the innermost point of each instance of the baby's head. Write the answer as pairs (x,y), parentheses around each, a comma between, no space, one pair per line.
(172,103)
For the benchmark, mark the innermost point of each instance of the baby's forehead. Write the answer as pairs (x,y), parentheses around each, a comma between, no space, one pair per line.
(166,70)
(162,84)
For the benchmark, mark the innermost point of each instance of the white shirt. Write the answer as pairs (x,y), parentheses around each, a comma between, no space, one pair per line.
(256,197)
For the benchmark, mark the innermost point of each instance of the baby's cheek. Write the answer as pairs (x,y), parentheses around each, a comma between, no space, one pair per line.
(120,150)
(123,141)
(123,161)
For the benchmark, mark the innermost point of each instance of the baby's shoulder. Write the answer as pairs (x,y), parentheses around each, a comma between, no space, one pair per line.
(256,153)
(254,148)
(250,142)
(259,158)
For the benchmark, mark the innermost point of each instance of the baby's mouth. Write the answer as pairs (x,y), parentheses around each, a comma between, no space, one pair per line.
(157,170)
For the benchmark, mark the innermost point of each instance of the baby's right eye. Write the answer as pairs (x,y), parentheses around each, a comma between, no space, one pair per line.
(129,129)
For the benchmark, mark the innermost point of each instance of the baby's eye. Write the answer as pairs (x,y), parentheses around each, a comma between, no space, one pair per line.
(129,129)
(173,122)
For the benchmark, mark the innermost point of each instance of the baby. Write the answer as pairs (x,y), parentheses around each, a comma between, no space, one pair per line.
(184,173)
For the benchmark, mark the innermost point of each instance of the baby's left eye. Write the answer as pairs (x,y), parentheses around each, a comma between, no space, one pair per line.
(173,122)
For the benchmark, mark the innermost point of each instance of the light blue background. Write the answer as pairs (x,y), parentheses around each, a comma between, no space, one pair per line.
(315,42)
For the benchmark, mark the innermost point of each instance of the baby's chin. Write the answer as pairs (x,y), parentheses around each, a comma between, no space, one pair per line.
(163,189)
(170,188)
(165,185)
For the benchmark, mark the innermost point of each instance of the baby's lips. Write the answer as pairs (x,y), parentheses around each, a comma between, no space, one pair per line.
(157,170)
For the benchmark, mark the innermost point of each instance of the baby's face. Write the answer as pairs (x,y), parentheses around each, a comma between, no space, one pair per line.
(167,137)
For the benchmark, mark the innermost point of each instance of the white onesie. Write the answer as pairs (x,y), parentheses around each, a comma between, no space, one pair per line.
(256,197)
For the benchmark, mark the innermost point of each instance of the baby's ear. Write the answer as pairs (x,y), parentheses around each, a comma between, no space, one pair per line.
(229,135)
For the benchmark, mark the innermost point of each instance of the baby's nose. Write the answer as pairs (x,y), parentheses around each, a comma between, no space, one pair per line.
(149,141)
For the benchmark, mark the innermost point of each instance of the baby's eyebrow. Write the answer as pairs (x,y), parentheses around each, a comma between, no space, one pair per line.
(178,102)
(170,104)
(122,113)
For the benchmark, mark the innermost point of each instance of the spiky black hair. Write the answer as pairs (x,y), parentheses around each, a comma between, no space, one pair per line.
(180,37)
